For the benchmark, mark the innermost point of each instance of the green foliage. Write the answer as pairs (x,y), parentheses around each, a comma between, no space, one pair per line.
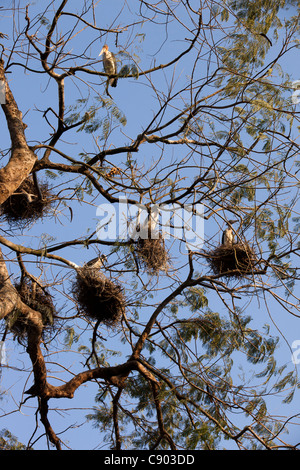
(196,298)
(92,121)
(10,442)
(71,337)
(129,70)
(220,338)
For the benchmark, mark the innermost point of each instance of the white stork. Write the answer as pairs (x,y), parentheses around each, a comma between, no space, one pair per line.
(110,64)
(148,226)
(228,235)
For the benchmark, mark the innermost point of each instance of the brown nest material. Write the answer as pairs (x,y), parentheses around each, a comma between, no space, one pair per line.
(232,261)
(30,202)
(98,297)
(37,298)
(152,254)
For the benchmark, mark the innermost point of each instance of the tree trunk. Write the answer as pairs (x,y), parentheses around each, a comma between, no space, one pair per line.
(22,159)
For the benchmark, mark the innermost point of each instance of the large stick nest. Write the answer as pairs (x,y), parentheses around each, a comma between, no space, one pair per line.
(29,203)
(152,254)
(233,261)
(37,298)
(97,296)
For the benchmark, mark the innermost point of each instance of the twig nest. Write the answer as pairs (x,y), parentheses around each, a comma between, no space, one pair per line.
(152,254)
(29,203)
(234,261)
(97,296)
(37,298)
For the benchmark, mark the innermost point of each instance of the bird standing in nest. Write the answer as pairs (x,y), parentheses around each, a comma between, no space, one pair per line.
(228,234)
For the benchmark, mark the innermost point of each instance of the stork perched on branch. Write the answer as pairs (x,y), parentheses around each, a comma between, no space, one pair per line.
(110,64)
(228,235)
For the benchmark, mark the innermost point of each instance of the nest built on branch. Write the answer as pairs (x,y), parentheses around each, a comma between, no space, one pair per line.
(152,254)
(31,201)
(233,261)
(37,298)
(97,296)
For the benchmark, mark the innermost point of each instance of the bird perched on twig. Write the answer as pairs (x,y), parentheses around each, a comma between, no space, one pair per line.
(228,235)
(110,64)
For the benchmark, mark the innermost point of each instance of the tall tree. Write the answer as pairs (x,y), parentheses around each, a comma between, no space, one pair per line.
(114,201)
